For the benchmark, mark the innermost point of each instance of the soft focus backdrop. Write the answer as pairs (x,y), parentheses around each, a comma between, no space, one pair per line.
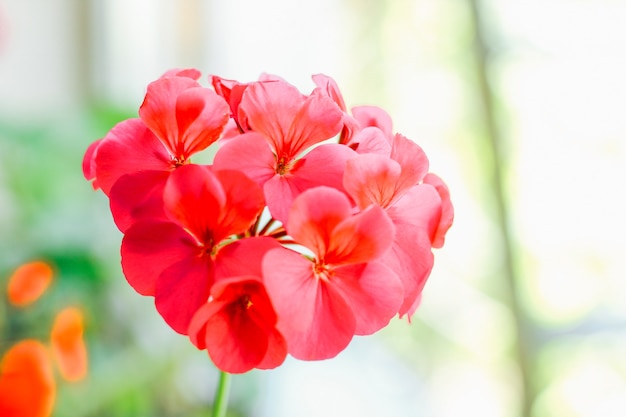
(521,107)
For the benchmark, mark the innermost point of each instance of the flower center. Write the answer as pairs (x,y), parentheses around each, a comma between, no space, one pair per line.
(282,165)
(178,161)
(245,302)
(322,271)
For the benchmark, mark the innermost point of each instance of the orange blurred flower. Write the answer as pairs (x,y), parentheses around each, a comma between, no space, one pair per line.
(68,346)
(27,387)
(29,282)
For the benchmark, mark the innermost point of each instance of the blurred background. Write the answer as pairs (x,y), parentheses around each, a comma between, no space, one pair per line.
(521,108)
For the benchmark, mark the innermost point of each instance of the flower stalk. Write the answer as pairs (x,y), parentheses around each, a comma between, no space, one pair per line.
(220,403)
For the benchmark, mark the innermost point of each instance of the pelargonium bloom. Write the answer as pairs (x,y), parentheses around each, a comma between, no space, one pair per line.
(237,325)
(173,260)
(177,119)
(396,183)
(312,225)
(323,300)
(284,125)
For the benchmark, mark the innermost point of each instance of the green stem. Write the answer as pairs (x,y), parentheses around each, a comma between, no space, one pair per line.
(220,403)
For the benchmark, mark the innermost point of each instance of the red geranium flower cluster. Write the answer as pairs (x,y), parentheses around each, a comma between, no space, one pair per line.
(313,224)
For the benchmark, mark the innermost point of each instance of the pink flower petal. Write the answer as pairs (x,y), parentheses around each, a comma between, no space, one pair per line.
(373,292)
(370,140)
(411,258)
(270,108)
(281,190)
(317,119)
(330,87)
(314,215)
(249,153)
(360,238)
(447,210)
(372,179)
(374,116)
(313,317)
(192,73)
(412,159)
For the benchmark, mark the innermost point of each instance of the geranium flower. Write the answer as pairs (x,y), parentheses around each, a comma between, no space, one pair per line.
(286,124)
(314,223)
(395,184)
(173,260)
(237,326)
(323,300)
(178,118)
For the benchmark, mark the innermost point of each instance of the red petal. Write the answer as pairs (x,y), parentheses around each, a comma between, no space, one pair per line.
(314,318)
(201,115)
(276,351)
(68,345)
(244,202)
(28,282)
(239,324)
(27,387)
(228,262)
(158,110)
(195,198)
(235,343)
(138,196)
(129,147)
(232,91)
(181,289)
(148,248)
(89,163)
(314,215)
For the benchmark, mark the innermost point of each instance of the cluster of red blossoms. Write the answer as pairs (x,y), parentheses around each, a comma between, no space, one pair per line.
(312,224)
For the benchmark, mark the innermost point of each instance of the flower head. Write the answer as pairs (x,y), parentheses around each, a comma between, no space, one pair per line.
(313,223)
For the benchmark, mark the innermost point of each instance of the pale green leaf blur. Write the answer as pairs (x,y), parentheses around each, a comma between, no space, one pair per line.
(521,108)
